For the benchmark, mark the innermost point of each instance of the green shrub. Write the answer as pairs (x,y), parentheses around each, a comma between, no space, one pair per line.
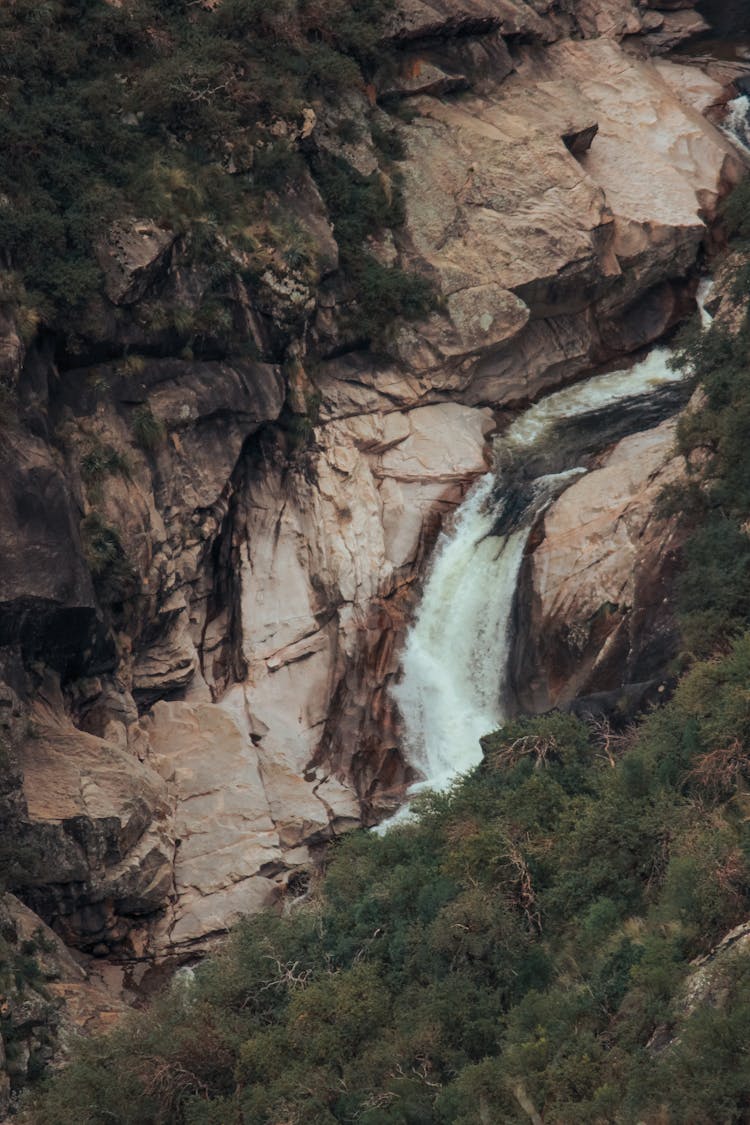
(388,142)
(359,205)
(736,211)
(100,460)
(110,110)
(518,946)
(385,293)
(101,544)
(113,574)
(148,431)
(712,591)
(275,165)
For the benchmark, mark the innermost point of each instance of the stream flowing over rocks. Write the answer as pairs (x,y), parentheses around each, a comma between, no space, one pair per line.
(181,756)
(455,684)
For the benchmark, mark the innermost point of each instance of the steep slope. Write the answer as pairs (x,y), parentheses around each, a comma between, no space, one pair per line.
(209,556)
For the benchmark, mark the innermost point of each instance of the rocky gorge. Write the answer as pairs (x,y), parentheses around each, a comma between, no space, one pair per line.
(210,563)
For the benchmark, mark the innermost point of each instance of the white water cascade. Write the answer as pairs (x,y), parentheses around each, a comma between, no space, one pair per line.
(455,660)
(453,682)
(737,121)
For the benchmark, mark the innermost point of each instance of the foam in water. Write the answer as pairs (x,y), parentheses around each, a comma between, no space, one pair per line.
(737,121)
(450,692)
(581,398)
(455,659)
(456,654)
(602,390)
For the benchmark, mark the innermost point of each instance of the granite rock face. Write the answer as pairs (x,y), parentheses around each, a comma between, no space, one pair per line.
(208,564)
(597,585)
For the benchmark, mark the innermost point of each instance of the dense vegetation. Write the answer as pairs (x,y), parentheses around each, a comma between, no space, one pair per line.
(520,945)
(184,113)
(520,952)
(714,590)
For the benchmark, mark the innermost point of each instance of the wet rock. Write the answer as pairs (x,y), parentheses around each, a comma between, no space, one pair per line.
(327,550)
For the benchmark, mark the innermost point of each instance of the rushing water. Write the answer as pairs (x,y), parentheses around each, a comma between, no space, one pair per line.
(737,121)
(452,685)
(454,666)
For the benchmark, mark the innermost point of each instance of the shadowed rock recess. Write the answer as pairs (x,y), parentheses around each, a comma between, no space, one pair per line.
(208,562)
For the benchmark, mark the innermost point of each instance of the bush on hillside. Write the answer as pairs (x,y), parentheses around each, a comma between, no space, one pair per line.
(519,945)
(109,110)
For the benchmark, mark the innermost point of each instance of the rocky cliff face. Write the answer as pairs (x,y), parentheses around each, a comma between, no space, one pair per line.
(47,997)
(208,565)
(597,619)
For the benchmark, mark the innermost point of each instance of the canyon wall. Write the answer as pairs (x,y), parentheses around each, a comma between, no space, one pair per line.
(208,566)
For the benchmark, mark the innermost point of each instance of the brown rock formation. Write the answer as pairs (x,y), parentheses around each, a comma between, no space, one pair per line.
(45,997)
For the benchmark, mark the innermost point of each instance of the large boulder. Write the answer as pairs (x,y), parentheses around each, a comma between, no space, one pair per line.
(547,210)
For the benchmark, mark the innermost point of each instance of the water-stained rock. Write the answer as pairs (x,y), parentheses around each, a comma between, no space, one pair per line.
(47,602)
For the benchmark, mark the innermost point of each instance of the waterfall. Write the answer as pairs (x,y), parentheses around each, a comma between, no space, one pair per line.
(450,691)
(737,121)
(455,661)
